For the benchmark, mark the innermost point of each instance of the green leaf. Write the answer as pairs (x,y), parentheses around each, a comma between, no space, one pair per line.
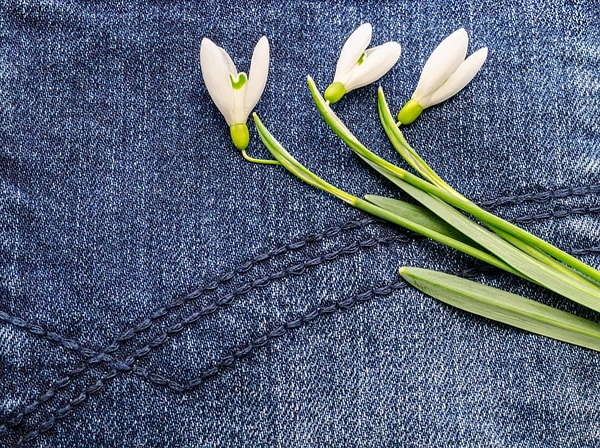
(531,268)
(451,198)
(448,194)
(420,215)
(505,307)
(409,154)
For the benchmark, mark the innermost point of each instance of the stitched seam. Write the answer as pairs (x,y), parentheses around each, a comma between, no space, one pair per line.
(120,367)
(557,214)
(75,346)
(126,366)
(541,197)
(228,361)
(245,267)
(104,356)
(39,331)
(586,251)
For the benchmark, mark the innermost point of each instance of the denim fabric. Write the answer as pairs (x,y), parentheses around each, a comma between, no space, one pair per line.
(121,194)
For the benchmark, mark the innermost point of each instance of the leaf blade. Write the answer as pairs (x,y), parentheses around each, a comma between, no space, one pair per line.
(530,267)
(505,307)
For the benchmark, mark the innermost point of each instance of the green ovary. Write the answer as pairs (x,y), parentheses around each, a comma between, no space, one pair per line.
(240,136)
(410,112)
(335,92)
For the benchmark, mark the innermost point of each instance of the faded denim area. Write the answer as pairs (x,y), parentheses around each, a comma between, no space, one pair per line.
(121,193)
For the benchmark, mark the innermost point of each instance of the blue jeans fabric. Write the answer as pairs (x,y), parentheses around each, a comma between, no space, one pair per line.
(157,290)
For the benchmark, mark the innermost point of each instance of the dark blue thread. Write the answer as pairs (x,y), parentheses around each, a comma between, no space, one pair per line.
(39,331)
(541,197)
(228,361)
(557,214)
(587,251)
(127,364)
(95,358)
(146,323)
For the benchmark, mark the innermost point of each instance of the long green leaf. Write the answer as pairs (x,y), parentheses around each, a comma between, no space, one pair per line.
(505,307)
(463,204)
(420,215)
(448,194)
(412,157)
(531,268)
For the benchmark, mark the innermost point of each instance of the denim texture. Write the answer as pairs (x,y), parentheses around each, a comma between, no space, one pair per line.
(157,290)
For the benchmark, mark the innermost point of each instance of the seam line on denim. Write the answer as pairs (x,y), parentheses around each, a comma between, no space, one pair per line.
(228,361)
(97,357)
(127,365)
(557,214)
(145,324)
(541,197)
(245,267)
(39,331)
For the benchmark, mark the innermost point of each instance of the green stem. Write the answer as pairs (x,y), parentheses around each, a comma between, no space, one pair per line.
(259,161)
(412,157)
(297,169)
(451,198)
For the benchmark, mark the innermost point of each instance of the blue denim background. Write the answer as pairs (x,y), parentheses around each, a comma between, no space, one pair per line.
(121,193)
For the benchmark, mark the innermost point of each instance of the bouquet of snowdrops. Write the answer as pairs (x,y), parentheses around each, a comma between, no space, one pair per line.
(443,215)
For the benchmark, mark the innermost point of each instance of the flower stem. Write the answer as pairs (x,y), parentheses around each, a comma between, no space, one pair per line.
(259,161)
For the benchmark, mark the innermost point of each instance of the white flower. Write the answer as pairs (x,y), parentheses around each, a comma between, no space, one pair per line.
(446,72)
(358,66)
(235,94)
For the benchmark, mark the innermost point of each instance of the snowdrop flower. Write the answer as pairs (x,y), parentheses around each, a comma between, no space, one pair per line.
(235,94)
(446,72)
(358,66)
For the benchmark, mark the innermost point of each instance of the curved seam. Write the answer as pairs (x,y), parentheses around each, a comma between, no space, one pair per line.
(228,361)
(52,336)
(125,366)
(119,366)
(145,324)
(77,346)
(245,267)
(541,197)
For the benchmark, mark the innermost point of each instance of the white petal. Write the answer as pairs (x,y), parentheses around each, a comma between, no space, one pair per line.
(354,47)
(215,72)
(239,104)
(444,61)
(377,63)
(259,70)
(461,77)
(229,62)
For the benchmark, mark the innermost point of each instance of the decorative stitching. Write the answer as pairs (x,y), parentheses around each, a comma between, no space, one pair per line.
(245,267)
(39,331)
(95,358)
(541,197)
(557,214)
(228,361)
(127,365)
(586,251)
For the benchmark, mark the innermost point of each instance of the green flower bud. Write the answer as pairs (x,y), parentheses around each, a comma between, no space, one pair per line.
(410,112)
(240,135)
(335,92)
